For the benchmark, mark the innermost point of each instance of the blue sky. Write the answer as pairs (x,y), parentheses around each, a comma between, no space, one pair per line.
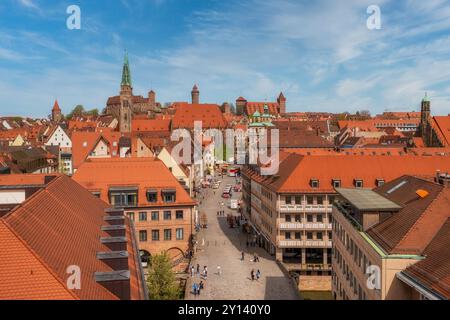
(320,54)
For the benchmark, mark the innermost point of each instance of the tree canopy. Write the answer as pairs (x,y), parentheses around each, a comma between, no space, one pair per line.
(161,281)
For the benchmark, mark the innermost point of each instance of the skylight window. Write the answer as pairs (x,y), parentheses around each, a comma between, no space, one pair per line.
(398,186)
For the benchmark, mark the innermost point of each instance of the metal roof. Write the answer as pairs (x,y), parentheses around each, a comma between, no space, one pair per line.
(367,200)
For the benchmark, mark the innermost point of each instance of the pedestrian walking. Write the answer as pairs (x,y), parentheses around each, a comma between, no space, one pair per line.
(198,269)
(194,289)
(242,256)
(192,271)
(258,274)
(252,274)
(202,285)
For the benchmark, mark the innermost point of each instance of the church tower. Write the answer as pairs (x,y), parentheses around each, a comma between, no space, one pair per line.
(126,88)
(195,93)
(424,117)
(56,112)
(126,93)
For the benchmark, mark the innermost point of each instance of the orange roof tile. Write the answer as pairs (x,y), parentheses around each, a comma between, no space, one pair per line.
(296,171)
(144,173)
(23,275)
(209,114)
(61,225)
(443,125)
(143,125)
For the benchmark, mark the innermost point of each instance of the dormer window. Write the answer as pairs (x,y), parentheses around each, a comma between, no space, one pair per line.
(380,182)
(169,195)
(314,183)
(358,183)
(152,195)
(336,183)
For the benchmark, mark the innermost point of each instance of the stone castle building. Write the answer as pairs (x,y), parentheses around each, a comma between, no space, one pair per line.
(126,104)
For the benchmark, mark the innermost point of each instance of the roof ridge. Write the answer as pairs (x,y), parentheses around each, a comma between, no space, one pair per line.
(38,258)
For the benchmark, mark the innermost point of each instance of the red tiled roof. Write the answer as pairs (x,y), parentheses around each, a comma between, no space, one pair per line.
(411,229)
(83,142)
(434,271)
(295,172)
(61,226)
(209,114)
(144,125)
(443,125)
(23,275)
(252,107)
(144,173)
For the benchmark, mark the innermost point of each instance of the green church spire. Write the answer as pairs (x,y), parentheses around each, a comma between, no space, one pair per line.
(126,73)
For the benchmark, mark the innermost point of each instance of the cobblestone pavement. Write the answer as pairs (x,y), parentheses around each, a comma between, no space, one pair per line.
(221,246)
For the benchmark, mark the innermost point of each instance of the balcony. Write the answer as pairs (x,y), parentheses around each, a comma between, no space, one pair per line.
(305,226)
(347,214)
(309,208)
(307,266)
(304,243)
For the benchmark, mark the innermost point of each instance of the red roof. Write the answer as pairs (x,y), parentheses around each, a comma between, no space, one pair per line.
(443,125)
(144,173)
(434,271)
(23,275)
(56,106)
(83,143)
(411,229)
(209,114)
(295,172)
(144,125)
(57,227)
(252,107)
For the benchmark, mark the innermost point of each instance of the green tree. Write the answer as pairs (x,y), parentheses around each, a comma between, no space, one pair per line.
(78,111)
(161,281)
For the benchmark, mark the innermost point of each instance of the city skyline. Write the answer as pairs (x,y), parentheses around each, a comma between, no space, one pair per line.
(322,56)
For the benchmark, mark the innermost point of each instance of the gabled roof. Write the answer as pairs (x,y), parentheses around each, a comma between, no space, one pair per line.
(411,229)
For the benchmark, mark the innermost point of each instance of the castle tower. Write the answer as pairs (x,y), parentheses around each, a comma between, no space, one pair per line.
(281,103)
(56,112)
(240,105)
(152,98)
(126,88)
(424,116)
(195,93)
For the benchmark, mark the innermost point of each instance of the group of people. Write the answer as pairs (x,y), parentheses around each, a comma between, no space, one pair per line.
(196,271)
(197,287)
(221,213)
(255,275)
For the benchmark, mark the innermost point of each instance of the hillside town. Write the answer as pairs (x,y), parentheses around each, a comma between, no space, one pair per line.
(359,208)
